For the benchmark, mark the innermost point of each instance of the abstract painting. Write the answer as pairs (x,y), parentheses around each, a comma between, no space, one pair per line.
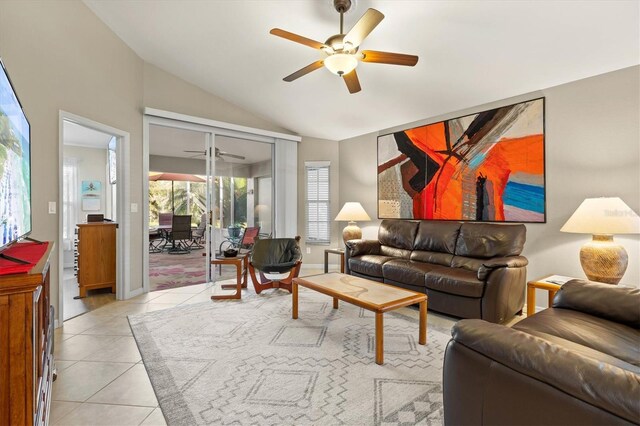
(487,166)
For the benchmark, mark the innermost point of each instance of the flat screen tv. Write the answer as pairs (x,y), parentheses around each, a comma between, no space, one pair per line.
(15,165)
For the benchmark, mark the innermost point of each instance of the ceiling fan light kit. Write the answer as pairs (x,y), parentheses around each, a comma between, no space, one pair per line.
(341,63)
(341,50)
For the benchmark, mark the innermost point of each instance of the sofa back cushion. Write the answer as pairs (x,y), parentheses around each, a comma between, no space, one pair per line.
(397,233)
(437,236)
(485,240)
(615,303)
(394,252)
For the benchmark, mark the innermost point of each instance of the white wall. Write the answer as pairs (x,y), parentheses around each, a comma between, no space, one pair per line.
(92,164)
(592,149)
(312,149)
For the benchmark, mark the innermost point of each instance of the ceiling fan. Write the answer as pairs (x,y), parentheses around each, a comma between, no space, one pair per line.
(340,51)
(218,154)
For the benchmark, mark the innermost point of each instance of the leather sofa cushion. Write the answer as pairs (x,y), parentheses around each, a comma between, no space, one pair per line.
(397,233)
(609,337)
(437,236)
(484,240)
(369,264)
(406,271)
(616,303)
(395,252)
(468,263)
(443,259)
(454,281)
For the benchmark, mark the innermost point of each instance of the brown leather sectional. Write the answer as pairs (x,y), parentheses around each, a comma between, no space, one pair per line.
(577,363)
(468,270)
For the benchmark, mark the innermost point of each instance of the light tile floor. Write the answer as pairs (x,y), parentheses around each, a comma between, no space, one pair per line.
(101,378)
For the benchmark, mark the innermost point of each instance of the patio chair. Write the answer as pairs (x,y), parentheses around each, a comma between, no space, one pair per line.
(244,246)
(197,242)
(156,241)
(278,261)
(165,219)
(180,234)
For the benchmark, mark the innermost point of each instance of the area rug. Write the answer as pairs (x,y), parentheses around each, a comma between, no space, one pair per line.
(248,362)
(168,271)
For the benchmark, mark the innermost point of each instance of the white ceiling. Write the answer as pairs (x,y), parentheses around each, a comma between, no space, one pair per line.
(77,135)
(471,52)
(173,142)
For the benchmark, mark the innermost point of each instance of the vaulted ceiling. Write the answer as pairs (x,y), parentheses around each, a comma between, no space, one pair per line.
(471,52)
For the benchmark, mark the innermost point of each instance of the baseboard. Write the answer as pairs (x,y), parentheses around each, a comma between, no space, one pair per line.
(134,293)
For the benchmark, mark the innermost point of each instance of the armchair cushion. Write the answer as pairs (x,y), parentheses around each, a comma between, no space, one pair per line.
(615,303)
(501,262)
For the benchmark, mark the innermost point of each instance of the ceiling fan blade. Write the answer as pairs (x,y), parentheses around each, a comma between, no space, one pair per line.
(304,71)
(352,82)
(225,154)
(389,58)
(363,27)
(297,38)
(199,152)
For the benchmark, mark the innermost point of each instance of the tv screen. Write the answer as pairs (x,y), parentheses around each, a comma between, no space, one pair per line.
(15,165)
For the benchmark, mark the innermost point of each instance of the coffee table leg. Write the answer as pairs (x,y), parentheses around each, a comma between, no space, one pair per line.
(294,299)
(335,303)
(422,338)
(379,339)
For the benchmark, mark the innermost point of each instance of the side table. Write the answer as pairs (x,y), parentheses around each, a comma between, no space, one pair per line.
(241,263)
(551,283)
(326,259)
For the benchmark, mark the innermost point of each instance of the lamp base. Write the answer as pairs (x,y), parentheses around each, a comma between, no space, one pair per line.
(351,232)
(603,260)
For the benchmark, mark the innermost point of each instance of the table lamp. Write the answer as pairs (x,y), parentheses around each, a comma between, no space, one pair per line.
(352,212)
(602,259)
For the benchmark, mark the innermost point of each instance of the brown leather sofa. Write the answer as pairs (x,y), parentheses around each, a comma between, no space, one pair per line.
(468,270)
(577,363)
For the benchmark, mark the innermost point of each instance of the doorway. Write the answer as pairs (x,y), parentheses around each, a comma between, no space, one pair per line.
(233,184)
(281,217)
(93,161)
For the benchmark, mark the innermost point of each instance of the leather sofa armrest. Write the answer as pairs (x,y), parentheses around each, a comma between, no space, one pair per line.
(500,262)
(597,383)
(615,303)
(362,247)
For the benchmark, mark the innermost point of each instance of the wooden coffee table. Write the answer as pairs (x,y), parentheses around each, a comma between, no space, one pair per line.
(366,294)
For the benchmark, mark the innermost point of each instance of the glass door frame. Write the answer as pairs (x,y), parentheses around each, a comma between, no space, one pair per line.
(284,167)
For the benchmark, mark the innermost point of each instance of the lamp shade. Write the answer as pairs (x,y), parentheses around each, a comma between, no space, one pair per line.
(606,216)
(352,211)
(341,63)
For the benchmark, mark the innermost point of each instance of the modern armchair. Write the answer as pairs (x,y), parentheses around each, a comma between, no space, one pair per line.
(278,261)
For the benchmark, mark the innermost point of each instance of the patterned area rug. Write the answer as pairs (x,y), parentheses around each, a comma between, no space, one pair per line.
(248,362)
(178,270)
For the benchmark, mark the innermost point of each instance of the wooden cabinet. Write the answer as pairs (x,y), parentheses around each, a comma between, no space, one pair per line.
(96,256)
(26,346)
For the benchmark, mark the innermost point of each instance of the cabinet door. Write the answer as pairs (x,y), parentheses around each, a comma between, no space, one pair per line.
(4,361)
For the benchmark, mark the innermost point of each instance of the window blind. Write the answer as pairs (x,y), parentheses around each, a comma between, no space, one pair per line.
(317,205)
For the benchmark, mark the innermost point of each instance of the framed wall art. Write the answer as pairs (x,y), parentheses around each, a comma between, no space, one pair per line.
(488,166)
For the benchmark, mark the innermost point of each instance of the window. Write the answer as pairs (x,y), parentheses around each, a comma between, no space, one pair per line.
(317,205)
